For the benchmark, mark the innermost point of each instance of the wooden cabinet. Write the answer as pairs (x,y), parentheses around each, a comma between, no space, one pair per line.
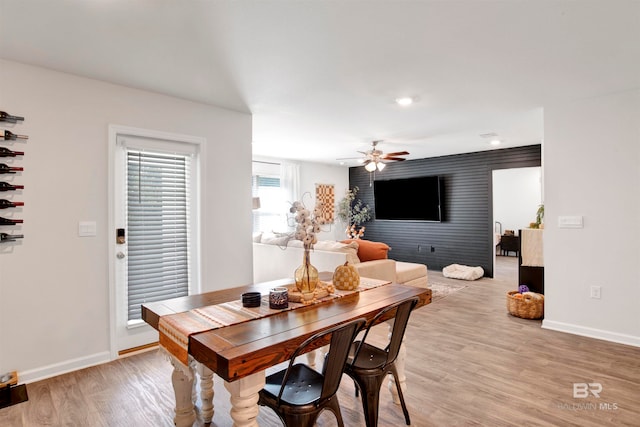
(531,275)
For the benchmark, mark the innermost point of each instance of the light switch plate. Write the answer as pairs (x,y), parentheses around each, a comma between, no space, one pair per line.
(570,222)
(86,228)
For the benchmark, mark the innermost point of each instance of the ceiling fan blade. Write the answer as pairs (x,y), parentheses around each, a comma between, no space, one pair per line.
(394,158)
(350,158)
(397,153)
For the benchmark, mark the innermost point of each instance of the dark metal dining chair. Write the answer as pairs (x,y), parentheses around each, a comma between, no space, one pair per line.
(299,393)
(369,365)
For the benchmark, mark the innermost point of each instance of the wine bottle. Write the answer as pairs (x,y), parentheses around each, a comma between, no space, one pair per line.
(4,204)
(4,237)
(5,186)
(5,152)
(8,135)
(9,169)
(9,221)
(6,117)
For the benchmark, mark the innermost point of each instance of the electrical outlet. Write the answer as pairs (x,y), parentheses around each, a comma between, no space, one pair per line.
(595,292)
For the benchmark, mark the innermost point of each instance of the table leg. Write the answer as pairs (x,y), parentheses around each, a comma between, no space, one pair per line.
(182,380)
(244,399)
(312,356)
(311,359)
(206,391)
(400,367)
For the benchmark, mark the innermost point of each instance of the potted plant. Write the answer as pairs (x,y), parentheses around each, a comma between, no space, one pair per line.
(540,215)
(539,218)
(353,213)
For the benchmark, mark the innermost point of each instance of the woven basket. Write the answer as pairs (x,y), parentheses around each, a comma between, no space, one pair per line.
(530,306)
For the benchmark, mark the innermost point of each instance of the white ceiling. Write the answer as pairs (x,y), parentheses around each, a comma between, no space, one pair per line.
(320,77)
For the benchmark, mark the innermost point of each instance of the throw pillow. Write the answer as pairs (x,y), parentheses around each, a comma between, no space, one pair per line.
(271,239)
(368,250)
(351,249)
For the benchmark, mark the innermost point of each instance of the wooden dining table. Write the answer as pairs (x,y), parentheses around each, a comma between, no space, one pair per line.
(240,353)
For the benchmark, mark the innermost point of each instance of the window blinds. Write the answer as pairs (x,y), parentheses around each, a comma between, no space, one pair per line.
(157,224)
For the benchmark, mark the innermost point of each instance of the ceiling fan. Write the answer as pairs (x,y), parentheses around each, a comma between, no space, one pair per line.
(375,159)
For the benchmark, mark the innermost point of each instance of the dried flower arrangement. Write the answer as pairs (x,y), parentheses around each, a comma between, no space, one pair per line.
(307,226)
(308,223)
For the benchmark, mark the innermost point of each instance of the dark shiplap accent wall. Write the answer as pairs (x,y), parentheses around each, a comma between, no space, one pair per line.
(465,234)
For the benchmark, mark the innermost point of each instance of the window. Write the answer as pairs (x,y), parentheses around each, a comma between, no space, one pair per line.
(272,213)
(158,214)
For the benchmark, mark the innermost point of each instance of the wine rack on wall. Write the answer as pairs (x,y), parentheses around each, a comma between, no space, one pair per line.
(10,190)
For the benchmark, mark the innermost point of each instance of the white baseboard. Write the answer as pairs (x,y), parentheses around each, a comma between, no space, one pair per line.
(592,333)
(63,367)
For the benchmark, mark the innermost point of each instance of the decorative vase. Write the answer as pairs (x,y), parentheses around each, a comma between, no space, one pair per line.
(306,275)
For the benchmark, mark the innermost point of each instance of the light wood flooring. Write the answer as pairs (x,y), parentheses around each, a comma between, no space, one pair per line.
(469,363)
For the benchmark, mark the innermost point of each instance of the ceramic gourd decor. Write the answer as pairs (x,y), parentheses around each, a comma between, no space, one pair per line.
(346,277)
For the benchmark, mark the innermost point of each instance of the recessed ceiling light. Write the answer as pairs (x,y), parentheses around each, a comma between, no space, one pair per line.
(404,101)
(489,135)
(492,137)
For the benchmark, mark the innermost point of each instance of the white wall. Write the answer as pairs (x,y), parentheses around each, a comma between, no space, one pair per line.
(54,285)
(310,175)
(592,169)
(517,194)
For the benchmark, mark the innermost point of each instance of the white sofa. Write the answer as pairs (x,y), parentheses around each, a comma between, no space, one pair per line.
(273,260)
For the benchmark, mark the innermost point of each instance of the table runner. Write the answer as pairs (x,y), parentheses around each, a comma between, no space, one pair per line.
(175,329)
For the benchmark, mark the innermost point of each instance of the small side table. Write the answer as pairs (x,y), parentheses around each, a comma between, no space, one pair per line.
(509,244)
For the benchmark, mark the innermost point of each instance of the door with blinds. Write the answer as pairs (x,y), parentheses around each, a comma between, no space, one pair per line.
(156,249)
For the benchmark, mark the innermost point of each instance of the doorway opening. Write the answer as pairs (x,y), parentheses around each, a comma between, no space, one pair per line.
(517,194)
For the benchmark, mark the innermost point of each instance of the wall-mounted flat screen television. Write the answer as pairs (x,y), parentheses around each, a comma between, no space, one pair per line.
(409,199)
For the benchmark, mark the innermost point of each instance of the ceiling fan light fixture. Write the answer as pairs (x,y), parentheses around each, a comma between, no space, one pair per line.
(404,101)
(374,159)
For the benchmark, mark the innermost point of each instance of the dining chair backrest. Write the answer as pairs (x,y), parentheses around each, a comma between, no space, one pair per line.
(342,337)
(341,341)
(400,320)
